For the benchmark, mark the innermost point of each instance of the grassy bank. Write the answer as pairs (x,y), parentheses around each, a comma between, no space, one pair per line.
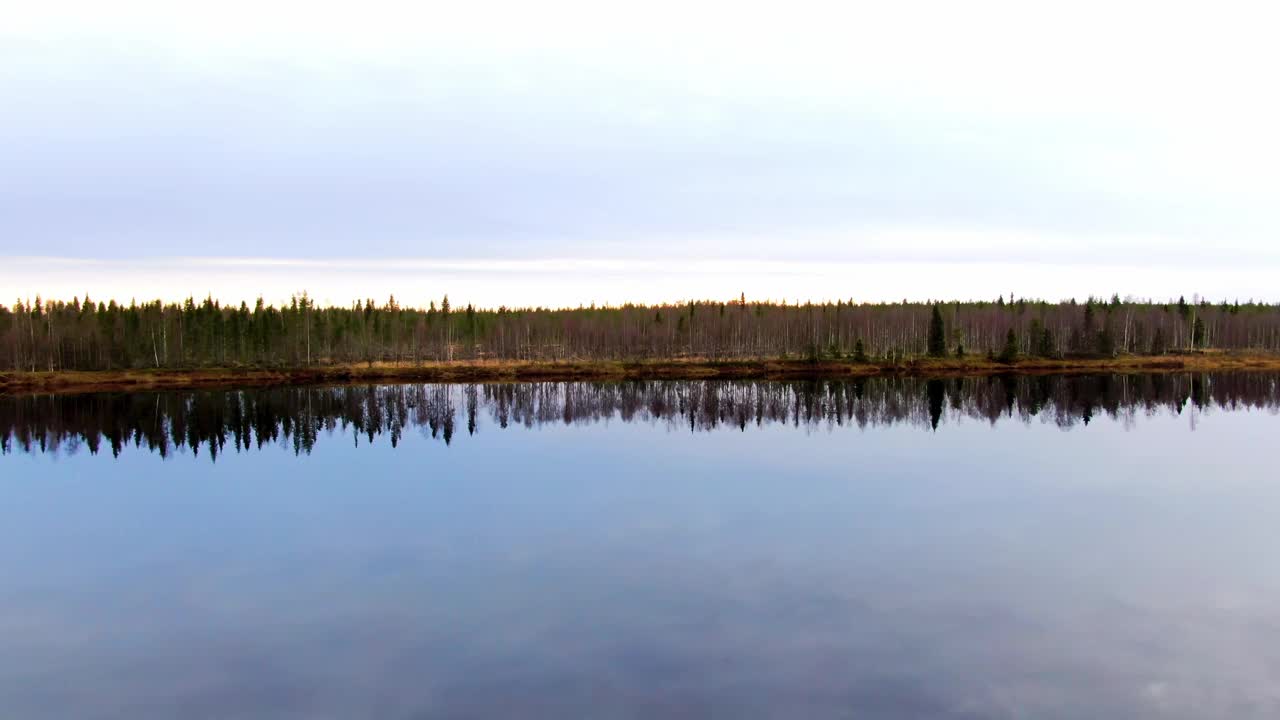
(486,371)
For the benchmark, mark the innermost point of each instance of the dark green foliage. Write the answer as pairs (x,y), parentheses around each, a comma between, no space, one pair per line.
(1087,339)
(1159,345)
(811,353)
(1044,345)
(1041,340)
(860,352)
(1106,343)
(1009,352)
(107,335)
(937,334)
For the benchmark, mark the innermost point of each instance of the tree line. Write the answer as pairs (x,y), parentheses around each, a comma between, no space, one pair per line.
(217,422)
(84,334)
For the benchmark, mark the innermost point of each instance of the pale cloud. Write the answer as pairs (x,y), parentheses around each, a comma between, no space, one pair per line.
(570,282)
(1135,136)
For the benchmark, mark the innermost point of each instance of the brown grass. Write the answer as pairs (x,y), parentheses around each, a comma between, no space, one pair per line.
(689,368)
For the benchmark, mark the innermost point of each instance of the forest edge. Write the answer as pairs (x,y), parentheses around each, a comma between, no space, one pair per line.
(589,370)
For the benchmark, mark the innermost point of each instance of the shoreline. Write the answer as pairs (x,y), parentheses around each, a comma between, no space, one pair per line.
(14,383)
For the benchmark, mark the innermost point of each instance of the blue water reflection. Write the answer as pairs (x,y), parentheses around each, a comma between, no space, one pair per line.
(611,569)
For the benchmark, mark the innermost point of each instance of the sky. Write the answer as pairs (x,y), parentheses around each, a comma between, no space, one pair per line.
(566,153)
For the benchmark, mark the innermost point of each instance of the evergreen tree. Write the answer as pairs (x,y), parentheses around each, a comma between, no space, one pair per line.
(1010,351)
(83,334)
(1159,345)
(1088,335)
(811,353)
(937,335)
(1044,343)
(860,351)
(1198,333)
(1106,344)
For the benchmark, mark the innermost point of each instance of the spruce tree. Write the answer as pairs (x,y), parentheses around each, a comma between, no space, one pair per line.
(1044,343)
(1158,342)
(1198,333)
(859,351)
(937,335)
(1106,344)
(1010,351)
(1088,335)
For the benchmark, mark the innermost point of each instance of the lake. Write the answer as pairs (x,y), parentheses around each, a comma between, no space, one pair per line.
(1029,547)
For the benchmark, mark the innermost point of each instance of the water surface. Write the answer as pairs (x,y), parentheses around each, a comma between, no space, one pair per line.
(981,548)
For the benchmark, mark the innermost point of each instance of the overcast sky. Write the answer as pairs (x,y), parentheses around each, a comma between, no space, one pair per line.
(564,152)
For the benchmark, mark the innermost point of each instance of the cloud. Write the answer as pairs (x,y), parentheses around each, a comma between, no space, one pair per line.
(993,132)
(570,282)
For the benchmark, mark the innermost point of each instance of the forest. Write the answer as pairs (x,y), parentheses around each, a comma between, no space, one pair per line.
(84,334)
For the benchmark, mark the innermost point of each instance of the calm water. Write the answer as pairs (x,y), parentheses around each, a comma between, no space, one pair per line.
(1034,548)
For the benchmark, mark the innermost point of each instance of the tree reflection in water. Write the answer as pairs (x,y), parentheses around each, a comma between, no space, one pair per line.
(217,421)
